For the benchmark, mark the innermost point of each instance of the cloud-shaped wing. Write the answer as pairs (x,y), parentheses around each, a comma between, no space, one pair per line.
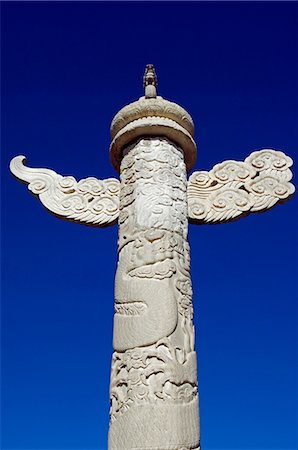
(234,188)
(89,201)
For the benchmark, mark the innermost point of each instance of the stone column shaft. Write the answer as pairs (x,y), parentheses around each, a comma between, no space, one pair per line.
(154,394)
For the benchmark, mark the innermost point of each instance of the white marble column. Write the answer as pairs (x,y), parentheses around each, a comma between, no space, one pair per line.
(154,393)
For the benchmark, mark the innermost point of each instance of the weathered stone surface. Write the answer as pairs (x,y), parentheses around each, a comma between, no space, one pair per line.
(233,189)
(154,393)
(153,389)
(90,201)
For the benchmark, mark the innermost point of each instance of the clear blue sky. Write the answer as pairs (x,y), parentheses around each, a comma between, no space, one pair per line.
(67,68)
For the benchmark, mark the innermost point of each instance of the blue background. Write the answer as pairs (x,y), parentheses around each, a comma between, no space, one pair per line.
(67,68)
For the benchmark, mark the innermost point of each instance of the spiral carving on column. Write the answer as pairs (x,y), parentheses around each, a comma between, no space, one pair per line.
(154,376)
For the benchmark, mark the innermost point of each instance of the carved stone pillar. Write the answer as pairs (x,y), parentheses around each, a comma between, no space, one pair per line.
(154,393)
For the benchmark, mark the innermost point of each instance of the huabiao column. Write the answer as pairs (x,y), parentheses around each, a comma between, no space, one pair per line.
(154,391)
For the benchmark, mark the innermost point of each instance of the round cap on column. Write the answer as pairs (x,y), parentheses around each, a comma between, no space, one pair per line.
(152,115)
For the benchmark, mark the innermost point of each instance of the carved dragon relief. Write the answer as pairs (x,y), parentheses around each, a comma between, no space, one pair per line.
(154,364)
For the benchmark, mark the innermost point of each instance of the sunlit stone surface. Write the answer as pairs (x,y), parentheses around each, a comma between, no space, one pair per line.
(154,392)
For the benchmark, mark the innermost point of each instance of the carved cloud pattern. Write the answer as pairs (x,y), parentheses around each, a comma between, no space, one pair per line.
(90,201)
(233,189)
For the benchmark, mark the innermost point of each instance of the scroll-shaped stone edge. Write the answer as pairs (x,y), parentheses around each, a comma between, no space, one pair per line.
(233,189)
(88,201)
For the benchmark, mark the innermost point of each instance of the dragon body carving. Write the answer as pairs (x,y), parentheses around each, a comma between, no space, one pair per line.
(154,374)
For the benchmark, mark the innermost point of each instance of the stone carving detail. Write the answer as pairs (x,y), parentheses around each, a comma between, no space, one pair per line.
(150,82)
(151,126)
(153,389)
(90,201)
(154,375)
(151,107)
(233,189)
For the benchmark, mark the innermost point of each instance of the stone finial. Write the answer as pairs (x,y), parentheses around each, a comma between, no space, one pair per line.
(150,81)
(152,116)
